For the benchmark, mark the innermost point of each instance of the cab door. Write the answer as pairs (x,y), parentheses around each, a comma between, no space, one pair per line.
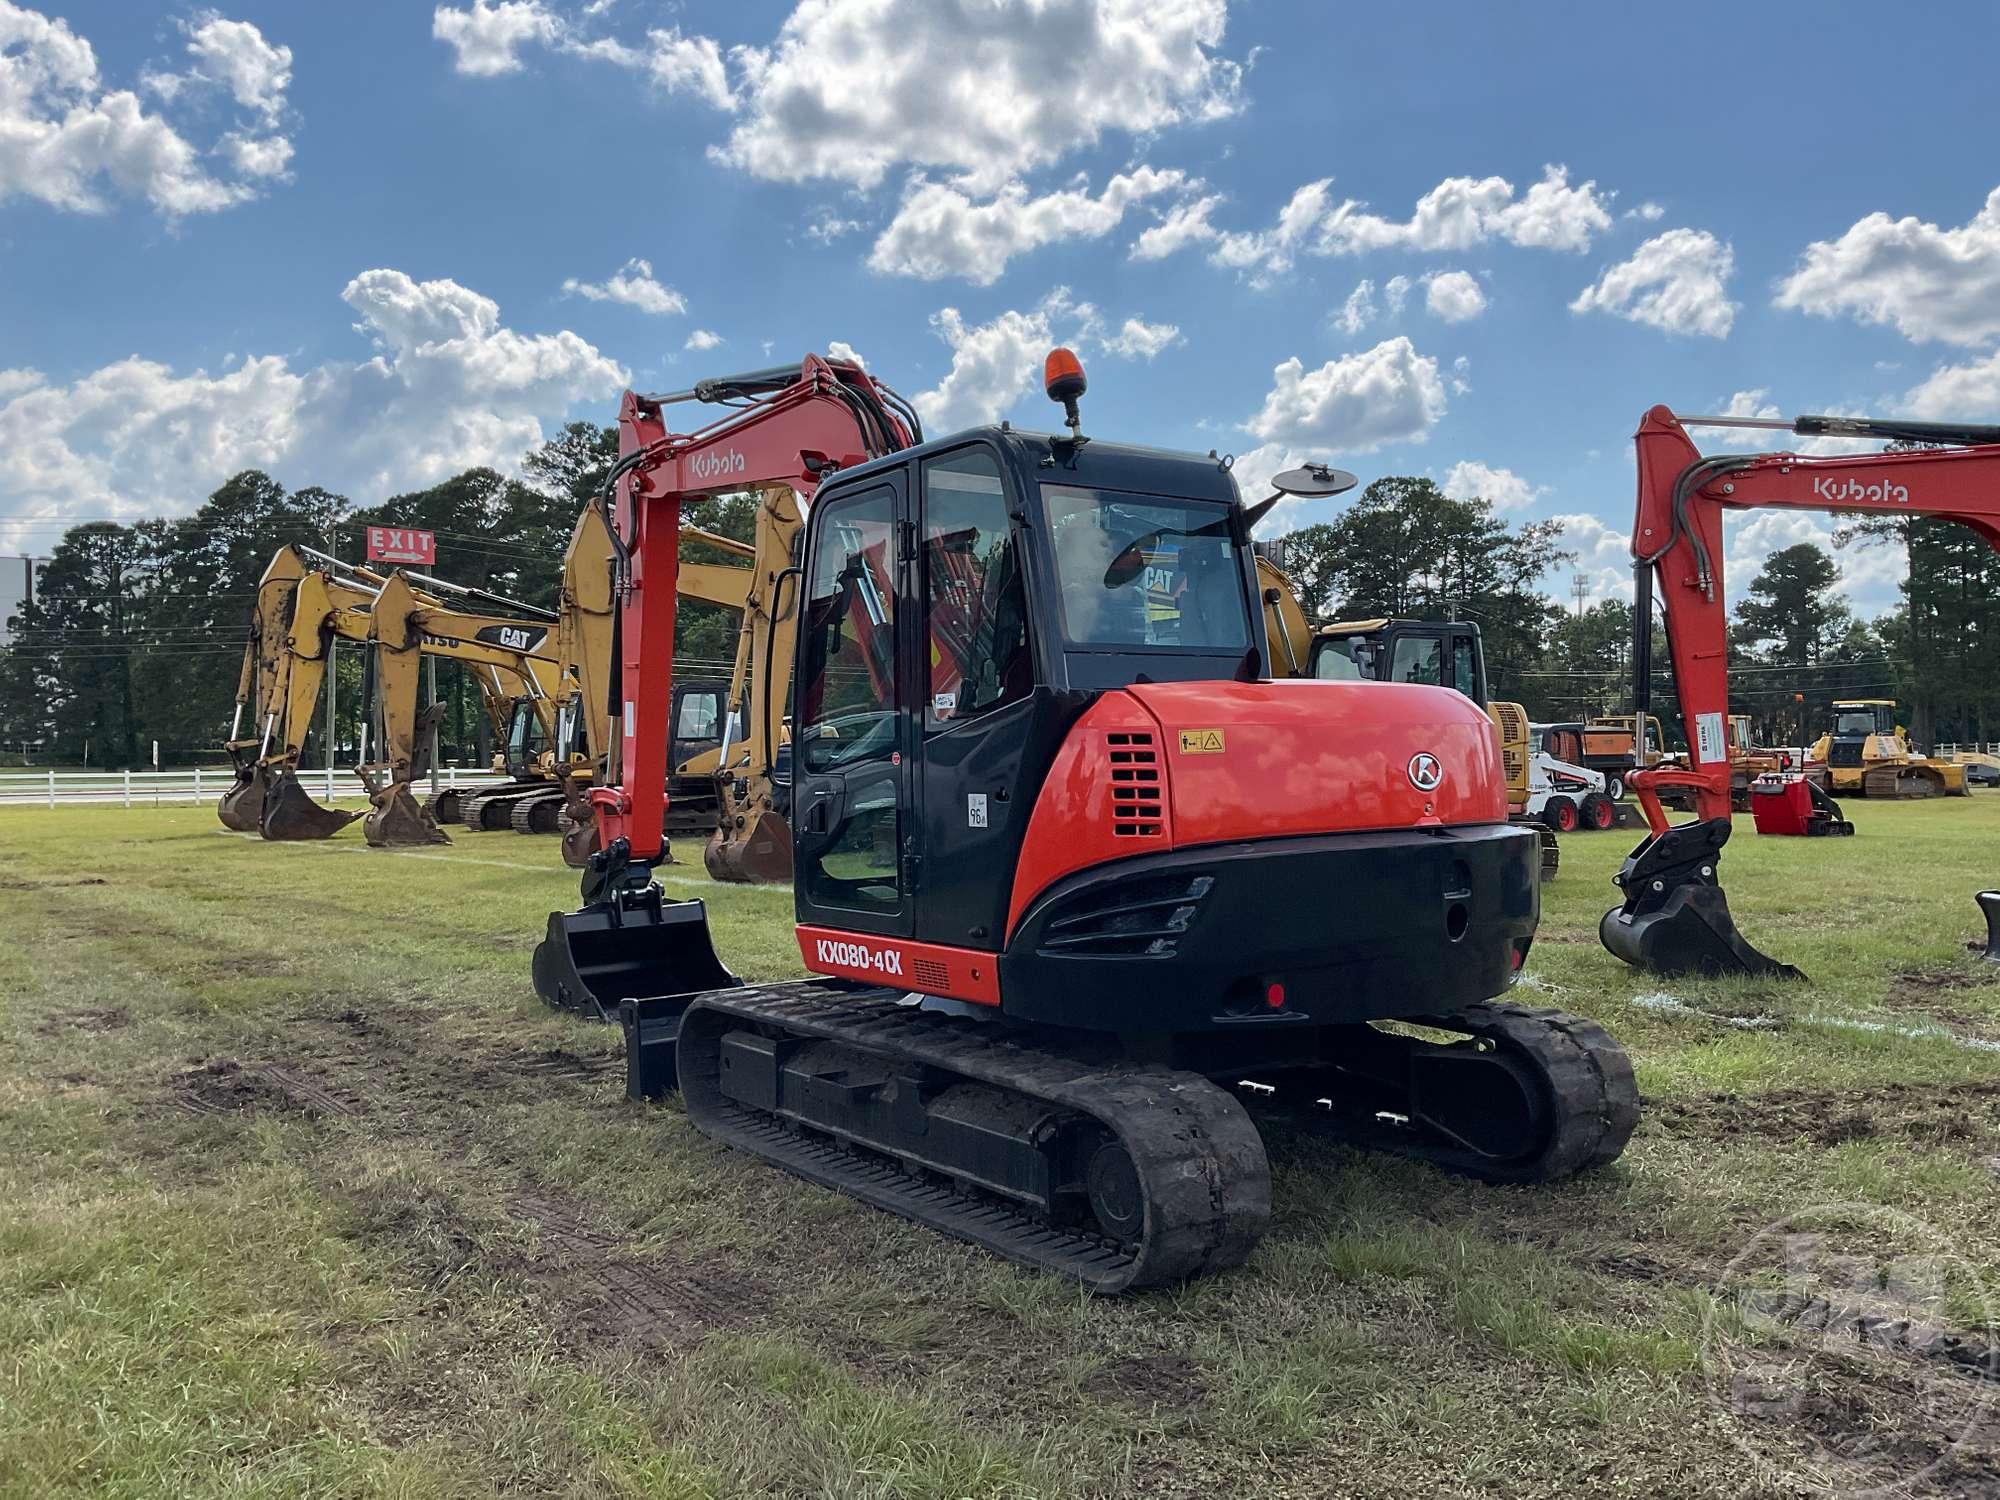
(852,812)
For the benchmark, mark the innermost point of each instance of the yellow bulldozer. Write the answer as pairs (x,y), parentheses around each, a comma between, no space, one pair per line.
(1867,754)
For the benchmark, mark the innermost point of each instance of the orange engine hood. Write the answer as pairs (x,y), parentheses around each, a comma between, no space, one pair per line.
(1301,756)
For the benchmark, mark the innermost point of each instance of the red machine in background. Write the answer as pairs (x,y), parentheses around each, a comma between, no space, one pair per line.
(1786,802)
(1675,918)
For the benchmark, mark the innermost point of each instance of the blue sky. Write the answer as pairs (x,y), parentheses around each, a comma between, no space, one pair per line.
(365,245)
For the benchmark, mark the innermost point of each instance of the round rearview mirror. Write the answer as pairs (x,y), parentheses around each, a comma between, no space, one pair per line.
(1314,481)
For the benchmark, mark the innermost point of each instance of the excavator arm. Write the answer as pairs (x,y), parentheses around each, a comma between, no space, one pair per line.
(1674,918)
(260,687)
(787,426)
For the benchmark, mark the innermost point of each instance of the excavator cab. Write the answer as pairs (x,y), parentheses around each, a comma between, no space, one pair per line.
(1440,653)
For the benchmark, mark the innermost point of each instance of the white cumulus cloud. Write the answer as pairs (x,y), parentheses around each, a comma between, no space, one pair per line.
(1469,480)
(703,338)
(994,364)
(1358,311)
(486,38)
(1677,281)
(447,386)
(68,141)
(851,89)
(1461,212)
(1926,282)
(939,230)
(1353,404)
(1453,296)
(1138,339)
(633,285)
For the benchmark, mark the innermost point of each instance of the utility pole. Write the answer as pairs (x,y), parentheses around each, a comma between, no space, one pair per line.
(431,665)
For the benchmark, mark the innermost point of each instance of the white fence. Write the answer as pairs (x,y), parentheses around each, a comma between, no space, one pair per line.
(195,784)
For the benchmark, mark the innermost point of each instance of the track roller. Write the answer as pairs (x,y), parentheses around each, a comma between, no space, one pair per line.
(1115,1175)
(1518,1095)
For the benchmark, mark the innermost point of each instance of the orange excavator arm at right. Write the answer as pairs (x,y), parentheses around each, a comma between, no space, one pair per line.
(1674,918)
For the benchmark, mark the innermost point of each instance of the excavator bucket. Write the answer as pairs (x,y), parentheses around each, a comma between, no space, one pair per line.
(291,815)
(631,946)
(242,806)
(1675,918)
(397,820)
(760,854)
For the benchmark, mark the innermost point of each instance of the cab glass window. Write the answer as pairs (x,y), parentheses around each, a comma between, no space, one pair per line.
(977,602)
(1462,676)
(1334,662)
(1141,571)
(847,686)
(1418,659)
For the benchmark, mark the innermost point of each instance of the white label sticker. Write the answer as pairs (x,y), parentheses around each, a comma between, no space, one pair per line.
(1708,739)
(629,721)
(975,809)
(943,703)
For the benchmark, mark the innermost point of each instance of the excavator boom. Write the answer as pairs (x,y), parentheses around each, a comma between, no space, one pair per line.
(1674,918)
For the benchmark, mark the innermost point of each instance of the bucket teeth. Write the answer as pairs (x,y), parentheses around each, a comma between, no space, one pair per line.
(762,853)
(633,944)
(397,820)
(291,815)
(242,806)
(1675,918)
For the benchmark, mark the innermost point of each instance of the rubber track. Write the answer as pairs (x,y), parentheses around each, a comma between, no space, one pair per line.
(1199,1157)
(522,811)
(1594,1095)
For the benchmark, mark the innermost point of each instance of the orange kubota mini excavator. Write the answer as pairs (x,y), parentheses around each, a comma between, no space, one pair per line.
(1674,918)
(1070,866)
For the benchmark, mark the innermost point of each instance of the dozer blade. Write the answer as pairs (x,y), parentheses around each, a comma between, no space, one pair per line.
(761,853)
(630,946)
(291,815)
(1675,919)
(242,806)
(397,821)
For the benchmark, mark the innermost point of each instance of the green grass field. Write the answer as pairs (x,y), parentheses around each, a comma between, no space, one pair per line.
(302,1193)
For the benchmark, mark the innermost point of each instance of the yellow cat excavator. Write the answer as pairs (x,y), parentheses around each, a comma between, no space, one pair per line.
(300,612)
(403,628)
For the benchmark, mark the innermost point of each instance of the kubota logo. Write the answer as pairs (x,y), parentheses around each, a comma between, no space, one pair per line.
(1425,772)
(854,956)
(1852,491)
(717,465)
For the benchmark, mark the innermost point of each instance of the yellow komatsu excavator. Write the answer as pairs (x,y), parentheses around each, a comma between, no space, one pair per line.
(1866,754)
